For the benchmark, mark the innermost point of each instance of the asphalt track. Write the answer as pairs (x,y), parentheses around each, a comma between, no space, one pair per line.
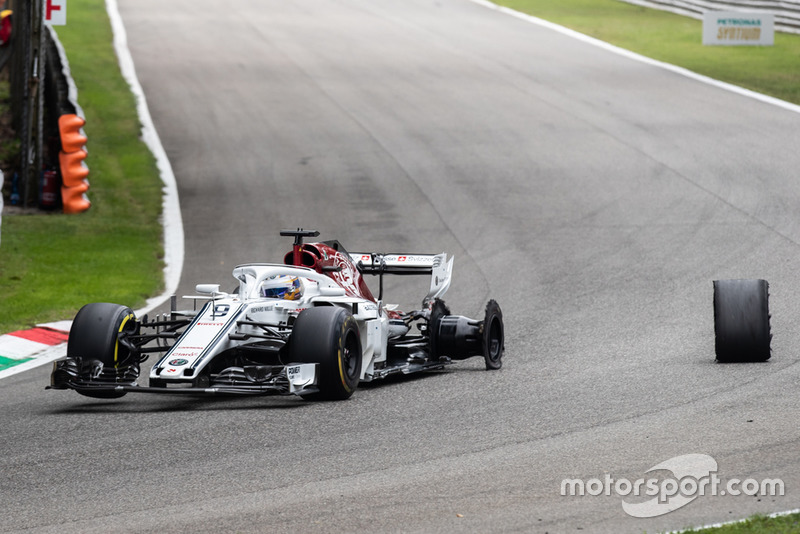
(595,197)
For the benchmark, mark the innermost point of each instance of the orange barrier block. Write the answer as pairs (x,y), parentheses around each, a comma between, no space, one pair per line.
(74,198)
(72,138)
(73,169)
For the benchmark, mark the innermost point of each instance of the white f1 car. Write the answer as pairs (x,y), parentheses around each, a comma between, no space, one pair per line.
(309,327)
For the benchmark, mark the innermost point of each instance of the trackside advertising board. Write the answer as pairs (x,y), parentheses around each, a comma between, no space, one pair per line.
(738,28)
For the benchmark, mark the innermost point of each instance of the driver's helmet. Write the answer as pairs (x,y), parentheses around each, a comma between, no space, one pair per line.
(282,286)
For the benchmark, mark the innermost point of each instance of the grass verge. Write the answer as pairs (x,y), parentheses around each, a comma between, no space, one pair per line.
(786,524)
(52,264)
(771,70)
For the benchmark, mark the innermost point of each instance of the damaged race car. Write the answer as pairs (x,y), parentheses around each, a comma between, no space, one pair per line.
(309,326)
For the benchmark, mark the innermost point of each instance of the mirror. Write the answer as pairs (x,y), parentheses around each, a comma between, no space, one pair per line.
(207,289)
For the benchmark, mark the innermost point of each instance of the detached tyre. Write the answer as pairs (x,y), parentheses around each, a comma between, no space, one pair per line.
(741,320)
(94,338)
(329,336)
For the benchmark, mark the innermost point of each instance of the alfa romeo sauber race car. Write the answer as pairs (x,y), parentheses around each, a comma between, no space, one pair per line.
(309,326)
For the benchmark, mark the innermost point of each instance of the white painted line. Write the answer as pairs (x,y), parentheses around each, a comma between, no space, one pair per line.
(632,55)
(64,326)
(171,218)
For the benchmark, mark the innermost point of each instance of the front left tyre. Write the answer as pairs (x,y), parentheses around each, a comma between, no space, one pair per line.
(94,340)
(328,336)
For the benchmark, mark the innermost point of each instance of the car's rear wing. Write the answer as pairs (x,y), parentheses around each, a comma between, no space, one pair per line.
(436,265)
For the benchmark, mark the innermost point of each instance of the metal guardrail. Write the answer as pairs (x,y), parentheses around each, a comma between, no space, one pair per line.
(27,100)
(42,93)
(787,12)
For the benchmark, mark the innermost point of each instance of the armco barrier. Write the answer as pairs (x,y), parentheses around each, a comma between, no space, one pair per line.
(787,12)
(1,205)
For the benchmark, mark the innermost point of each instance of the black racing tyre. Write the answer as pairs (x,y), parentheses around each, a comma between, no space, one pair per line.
(94,336)
(741,320)
(493,336)
(328,336)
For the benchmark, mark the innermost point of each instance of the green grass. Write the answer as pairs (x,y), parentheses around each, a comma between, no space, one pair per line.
(772,70)
(787,524)
(51,264)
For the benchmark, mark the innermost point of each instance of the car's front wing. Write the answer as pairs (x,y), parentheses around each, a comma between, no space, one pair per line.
(91,378)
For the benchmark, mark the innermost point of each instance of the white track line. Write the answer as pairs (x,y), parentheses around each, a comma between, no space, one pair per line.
(171,218)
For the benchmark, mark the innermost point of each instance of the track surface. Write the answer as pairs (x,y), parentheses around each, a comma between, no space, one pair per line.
(593,196)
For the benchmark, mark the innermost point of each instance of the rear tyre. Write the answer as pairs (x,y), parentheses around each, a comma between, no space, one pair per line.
(741,320)
(94,336)
(493,336)
(328,336)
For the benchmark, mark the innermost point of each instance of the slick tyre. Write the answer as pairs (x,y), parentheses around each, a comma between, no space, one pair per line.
(493,337)
(741,320)
(329,336)
(94,336)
